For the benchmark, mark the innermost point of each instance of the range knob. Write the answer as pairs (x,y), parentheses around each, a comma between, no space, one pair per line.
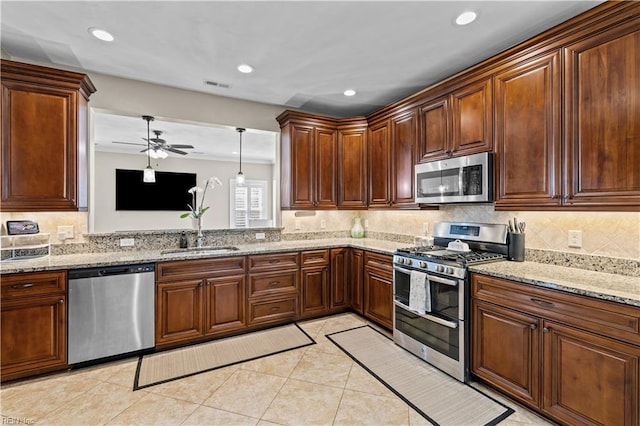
(440,268)
(401,260)
(449,270)
(423,264)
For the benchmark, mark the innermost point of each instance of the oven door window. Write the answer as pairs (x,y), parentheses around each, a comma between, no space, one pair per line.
(444,298)
(439,183)
(438,337)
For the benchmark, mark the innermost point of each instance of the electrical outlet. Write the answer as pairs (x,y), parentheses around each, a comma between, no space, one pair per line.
(260,236)
(65,232)
(127,242)
(425,228)
(575,238)
(366,223)
(323,224)
(297,225)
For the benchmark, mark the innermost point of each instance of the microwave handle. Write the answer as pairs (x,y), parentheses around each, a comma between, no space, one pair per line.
(449,324)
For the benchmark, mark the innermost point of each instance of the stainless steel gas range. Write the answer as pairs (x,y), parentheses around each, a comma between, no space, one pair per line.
(431,292)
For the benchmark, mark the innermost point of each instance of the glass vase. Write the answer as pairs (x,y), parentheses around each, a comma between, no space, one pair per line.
(357,231)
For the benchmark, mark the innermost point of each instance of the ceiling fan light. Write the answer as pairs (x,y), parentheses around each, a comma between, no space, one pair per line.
(149,175)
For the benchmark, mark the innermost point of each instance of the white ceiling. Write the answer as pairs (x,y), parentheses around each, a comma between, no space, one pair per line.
(305,53)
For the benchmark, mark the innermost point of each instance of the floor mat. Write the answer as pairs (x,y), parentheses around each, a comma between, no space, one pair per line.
(170,365)
(436,396)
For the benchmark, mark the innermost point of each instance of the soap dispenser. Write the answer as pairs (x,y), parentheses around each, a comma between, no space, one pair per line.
(184,242)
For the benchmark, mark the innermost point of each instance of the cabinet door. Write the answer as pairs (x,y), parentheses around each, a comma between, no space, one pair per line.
(404,143)
(506,351)
(33,334)
(602,116)
(315,290)
(379,151)
(589,379)
(356,283)
(378,296)
(325,175)
(179,311)
(302,167)
(527,126)
(339,278)
(472,126)
(435,129)
(225,301)
(352,169)
(39,139)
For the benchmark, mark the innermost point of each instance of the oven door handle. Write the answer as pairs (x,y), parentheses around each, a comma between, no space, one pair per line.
(399,269)
(450,324)
(433,278)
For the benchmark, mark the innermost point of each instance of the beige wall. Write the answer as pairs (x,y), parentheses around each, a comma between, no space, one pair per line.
(612,234)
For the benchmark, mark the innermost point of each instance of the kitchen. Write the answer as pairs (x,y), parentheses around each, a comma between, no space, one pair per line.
(607,232)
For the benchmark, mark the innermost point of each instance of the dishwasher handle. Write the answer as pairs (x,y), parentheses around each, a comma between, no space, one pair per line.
(111,270)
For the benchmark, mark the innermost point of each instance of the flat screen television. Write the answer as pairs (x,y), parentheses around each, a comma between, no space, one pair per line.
(169,192)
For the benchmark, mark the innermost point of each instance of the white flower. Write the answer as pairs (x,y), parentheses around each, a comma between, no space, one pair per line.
(195,189)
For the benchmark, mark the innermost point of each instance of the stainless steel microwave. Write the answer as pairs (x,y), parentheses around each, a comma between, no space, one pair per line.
(466,179)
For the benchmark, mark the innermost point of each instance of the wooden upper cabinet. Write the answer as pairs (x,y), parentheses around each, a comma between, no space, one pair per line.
(458,123)
(325,170)
(302,166)
(435,128)
(44,138)
(352,167)
(602,117)
(379,164)
(404,140)
(527,133)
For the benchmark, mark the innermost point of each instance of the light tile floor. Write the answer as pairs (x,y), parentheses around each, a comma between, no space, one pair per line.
(315,385)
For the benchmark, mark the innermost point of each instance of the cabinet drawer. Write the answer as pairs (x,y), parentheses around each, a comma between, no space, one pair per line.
(379,261)
(274,309)
(267,283)
(315,258)
(199,268)
(32,284)
(270,262)
(599,316)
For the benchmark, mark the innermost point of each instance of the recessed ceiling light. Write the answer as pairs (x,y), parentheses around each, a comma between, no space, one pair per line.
(244,68)
(100,34)
(466,18)
(349,92)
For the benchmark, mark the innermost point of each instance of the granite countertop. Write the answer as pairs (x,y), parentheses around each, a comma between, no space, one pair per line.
(617,288)
(88,260)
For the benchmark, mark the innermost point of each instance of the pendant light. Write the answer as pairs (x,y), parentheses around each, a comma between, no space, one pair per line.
(149,173)
(240,175)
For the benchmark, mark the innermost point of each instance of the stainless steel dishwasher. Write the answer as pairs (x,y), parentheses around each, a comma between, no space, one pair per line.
(111,311)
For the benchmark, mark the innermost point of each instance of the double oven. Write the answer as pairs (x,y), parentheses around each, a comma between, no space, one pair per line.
(435,328)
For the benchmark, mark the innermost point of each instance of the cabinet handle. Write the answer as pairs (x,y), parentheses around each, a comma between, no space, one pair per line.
(275,309)
(532,326)
(274,261)
(555,196)
(274,283)
(18,286)
(61,301)
(545,330)
(542,302)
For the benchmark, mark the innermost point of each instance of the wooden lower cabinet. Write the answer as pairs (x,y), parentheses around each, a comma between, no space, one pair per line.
(339,278)
(589,379)
(224,304)
(314,283)
(33,324)
(558,353)
(273,309)
(179,308)
(356,280)
(378,288)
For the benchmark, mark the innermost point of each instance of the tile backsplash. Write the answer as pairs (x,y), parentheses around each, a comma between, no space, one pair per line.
(611,234)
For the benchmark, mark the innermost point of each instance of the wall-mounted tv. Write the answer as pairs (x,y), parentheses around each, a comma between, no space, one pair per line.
(169,192)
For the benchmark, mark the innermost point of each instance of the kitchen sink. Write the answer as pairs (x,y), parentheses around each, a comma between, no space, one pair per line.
(202,250)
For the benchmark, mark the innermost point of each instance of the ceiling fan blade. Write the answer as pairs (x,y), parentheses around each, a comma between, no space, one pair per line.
(177,151)
(128,143)
(180,146)
(145,150)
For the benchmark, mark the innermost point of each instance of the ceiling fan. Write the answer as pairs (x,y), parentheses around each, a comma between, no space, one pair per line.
(159,147)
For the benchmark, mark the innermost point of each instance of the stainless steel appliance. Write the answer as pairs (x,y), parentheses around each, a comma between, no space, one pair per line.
(432,323)
(111,311)
(466,179)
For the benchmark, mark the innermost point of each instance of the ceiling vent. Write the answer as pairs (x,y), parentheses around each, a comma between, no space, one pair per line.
(216,84)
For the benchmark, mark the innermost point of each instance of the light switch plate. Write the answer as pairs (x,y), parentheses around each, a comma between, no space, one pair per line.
(323,224)
(260,236)
(575,238)
(65,232)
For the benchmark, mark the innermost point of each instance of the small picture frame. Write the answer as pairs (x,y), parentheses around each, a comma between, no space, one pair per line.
(21,227)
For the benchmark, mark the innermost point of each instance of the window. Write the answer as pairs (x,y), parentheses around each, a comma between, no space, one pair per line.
(248,207)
